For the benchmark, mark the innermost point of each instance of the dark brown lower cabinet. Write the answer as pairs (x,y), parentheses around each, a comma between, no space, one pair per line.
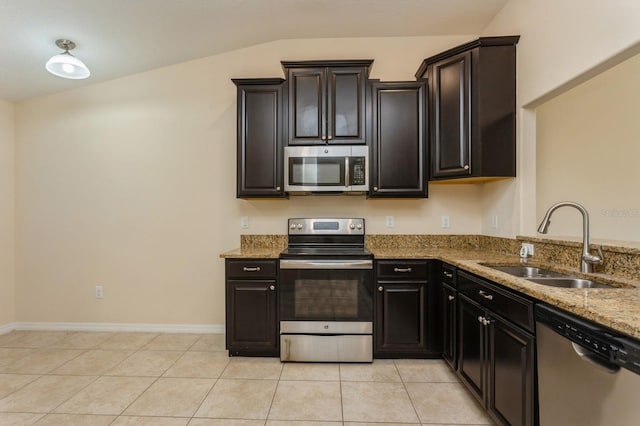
(496,361)
(251,308)
(405,311)
(401,318)
(449,303)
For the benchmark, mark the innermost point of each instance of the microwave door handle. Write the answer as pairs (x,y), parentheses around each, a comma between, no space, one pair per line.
(346,172)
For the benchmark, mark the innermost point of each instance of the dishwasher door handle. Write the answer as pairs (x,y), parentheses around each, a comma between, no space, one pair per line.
(593,359)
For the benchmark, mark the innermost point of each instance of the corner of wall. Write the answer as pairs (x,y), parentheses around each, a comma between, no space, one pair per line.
(7,216)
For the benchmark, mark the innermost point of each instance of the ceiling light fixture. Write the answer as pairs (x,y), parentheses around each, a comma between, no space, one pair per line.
(66,65)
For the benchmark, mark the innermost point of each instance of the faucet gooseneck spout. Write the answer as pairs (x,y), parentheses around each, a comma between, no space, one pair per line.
(587,259)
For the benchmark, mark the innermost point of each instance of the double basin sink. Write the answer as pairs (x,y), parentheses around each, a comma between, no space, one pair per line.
(549,278)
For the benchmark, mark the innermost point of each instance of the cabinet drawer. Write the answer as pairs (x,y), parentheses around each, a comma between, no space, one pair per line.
(261,268)
(502,302)
(402,270)
(448,274)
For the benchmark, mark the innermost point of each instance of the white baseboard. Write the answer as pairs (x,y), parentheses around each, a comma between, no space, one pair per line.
(7,328)
(115,327)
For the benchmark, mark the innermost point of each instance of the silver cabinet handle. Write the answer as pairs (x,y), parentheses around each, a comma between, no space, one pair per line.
(380,288)
(251,268)
(451,297)
(403,270)
(466,167)
(448,274)
(272,287)
(485,295)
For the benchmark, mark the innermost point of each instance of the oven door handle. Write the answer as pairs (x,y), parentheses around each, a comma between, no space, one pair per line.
(325,264)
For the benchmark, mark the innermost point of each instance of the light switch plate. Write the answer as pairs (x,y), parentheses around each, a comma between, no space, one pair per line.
(244,222)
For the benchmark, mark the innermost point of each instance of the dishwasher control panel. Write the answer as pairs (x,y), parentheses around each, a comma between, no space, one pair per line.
(613,347)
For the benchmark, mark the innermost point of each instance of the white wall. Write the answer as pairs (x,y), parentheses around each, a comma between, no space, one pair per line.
(7,218)
(561,44)
(130,184)
(588,150)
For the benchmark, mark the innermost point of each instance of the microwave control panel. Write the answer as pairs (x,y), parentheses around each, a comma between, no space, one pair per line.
(357,172)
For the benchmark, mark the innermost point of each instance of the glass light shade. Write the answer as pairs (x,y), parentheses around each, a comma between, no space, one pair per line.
(66,65)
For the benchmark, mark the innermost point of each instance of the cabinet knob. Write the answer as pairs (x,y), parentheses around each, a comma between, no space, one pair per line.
(486,322)
(272,287)
(466,167)
(451,297)
(375,188)
(380,288)
(277,188)
(324,138)
(480,319)
(330,137)
(251,269)
(448,274)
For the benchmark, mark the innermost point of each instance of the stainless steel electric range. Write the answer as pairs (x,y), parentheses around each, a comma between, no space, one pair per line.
(326,292)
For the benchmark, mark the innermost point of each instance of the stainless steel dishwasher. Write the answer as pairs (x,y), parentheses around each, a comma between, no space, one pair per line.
(588,375)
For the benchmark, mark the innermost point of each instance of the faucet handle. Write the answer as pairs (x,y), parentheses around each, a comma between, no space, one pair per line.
(597,259)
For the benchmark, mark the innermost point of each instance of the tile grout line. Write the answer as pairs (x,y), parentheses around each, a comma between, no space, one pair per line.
(404,385)
(274,393)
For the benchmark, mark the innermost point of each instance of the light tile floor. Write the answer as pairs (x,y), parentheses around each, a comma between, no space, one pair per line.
(81,378)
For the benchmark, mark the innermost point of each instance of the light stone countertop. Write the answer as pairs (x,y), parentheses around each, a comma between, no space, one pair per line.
(617,308)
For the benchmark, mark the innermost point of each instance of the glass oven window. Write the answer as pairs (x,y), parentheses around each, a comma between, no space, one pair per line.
(333,299)
(327,171)
(323,295)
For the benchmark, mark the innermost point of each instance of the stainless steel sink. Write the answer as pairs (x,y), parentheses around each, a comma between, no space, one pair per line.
(528,271)
(548,277)
(569,282)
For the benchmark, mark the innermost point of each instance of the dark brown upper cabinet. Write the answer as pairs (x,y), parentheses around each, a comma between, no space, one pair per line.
(398,139)
(260,141)
(326,101)
(472,109)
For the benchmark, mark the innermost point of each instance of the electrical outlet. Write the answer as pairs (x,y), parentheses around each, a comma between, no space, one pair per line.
(494,222)
(99,292)
(390,222)
(244,222)
(444,221)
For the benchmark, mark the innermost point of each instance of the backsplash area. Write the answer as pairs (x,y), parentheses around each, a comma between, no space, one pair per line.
(621,261)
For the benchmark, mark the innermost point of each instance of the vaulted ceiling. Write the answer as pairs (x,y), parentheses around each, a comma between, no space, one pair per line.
(122,37)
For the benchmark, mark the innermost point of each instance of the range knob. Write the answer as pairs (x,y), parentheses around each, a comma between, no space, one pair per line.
(352,226)
(293,226)
(299,226)
(359,226)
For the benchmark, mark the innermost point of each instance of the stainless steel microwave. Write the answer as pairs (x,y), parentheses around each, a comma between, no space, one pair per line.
(327,168)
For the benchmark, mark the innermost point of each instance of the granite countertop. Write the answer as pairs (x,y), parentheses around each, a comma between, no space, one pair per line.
(252,253)
(617,308)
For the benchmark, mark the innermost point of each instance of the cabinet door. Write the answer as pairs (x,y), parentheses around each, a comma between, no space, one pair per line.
(307,106)
(450,116)
(398,140)
(346,105)
(260,140)
(400,317)
(449,324)
(511,374)
(251,317)
(471,346)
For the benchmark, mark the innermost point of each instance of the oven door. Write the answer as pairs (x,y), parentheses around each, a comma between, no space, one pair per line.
(326,290)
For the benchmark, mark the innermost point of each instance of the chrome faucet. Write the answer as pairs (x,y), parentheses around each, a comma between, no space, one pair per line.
(587,259)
